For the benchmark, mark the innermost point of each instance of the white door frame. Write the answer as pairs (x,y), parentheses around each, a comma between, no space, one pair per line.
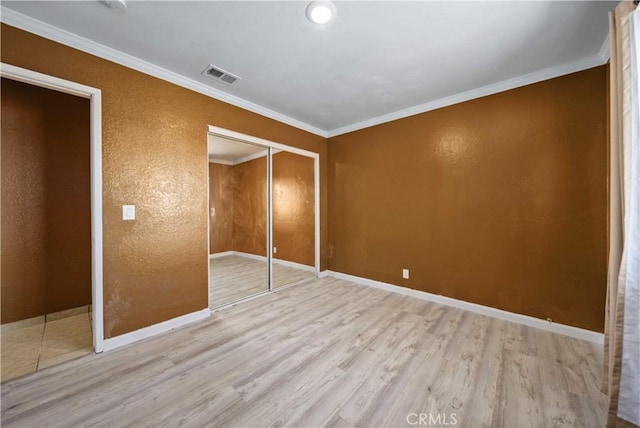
(95,97)
(227,133)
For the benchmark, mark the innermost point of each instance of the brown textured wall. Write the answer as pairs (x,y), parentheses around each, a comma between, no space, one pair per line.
(154,147)
(221,199)
(250,207)
(500,201)
(23,202)
(293,214)
(68,197)
(46,213)
(244,228)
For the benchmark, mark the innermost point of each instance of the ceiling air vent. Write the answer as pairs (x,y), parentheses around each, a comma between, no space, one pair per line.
(219,74)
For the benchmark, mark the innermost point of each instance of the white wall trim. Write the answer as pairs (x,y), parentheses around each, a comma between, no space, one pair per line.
(95,99)
(28,322)
(566,330)
(220,161)
(75,41)
(208,231)
(323,274)
(604,50)
(48,31)
(154,330)
(249,256)
(264,259)
(222,254)
(244,159)
(45,81)
(250,157)
(494,88)
(316,210)
(294,265)
(233,135)
(246,138)
(269,193)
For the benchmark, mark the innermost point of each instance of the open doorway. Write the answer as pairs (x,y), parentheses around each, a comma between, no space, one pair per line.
(48,221)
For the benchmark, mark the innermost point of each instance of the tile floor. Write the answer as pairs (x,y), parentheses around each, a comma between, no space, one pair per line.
(62,337)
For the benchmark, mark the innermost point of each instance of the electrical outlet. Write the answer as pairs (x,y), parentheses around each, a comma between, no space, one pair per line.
(405,273)
(275,250)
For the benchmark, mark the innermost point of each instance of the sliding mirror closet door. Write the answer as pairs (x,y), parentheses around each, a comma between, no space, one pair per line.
(293,216)
(237,220)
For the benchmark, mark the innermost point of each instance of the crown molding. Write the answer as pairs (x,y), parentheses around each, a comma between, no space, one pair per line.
(48,31)
(494,88)
(244,158)
(67,38)
(251,157)
(604,50)
(220,161)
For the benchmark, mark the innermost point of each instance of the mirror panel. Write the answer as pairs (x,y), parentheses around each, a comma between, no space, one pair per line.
(293,242)
(237,220)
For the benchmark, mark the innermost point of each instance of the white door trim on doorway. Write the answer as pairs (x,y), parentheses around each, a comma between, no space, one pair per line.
(95,97)
(227,133)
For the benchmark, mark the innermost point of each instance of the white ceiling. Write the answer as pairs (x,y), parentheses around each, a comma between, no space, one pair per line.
(377,61)
(231,152)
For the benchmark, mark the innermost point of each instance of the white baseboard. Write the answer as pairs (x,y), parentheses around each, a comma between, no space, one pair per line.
(563,329)
(249,256)
(53,316)
(323,274)
(29,322)
(264,259)
(153,330)
(223,254)
(294,265)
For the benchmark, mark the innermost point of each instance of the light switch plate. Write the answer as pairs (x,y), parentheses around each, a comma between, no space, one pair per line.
(128,212)
(405,273)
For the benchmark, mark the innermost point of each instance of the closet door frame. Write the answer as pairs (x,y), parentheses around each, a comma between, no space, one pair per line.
(244,138)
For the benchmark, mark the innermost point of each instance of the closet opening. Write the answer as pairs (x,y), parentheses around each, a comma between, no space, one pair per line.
(263,216)
(238,266)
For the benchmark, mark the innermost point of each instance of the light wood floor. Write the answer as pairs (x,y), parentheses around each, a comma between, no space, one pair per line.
(235,277)
(285,275)
(324,353)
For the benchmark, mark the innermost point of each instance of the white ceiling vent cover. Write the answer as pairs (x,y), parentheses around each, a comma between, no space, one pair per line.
(219,74)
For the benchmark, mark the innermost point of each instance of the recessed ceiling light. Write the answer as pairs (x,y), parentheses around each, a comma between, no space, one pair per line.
(321,11)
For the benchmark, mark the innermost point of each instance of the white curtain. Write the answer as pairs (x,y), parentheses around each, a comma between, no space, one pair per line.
(622,329)
(629,396)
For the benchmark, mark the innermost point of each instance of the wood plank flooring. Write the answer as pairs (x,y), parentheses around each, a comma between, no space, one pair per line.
(324,353)
(236,277)
(285,275)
